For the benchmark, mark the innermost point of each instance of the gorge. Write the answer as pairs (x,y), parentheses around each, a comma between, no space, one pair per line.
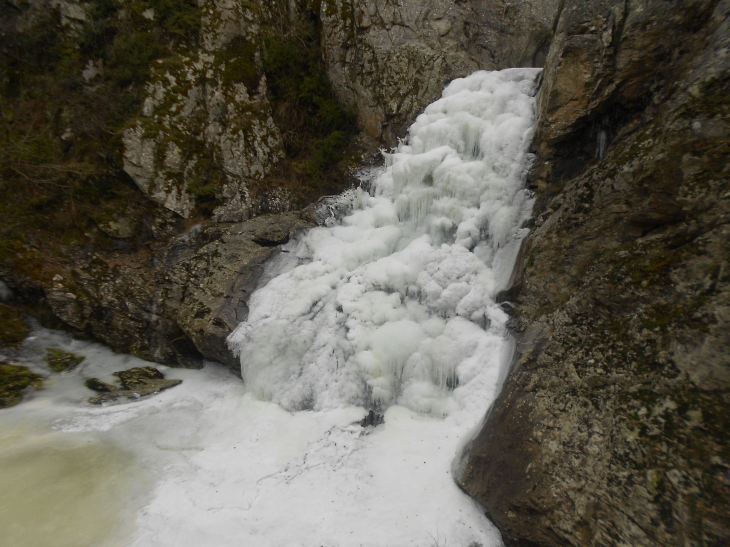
(147,221)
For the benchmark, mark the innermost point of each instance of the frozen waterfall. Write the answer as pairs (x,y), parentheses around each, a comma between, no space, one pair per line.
(389,308)
(394,303)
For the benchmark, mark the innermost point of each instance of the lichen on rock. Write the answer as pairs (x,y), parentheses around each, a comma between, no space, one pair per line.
(611,427)
(206,126)
(61,361)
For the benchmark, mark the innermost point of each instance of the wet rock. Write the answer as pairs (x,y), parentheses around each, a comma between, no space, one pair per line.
(372,419)
(60,361)
(98,385)
(136,382)
(177,306)
(15,382)
(221,277)
(138,377)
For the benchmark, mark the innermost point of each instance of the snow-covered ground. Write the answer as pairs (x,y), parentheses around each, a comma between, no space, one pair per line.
(391,307)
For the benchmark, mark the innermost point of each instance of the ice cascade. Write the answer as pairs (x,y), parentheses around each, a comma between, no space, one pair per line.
(394,303)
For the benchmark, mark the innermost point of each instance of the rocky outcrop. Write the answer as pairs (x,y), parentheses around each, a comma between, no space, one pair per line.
(15,382)
(178,305)
(161,118)
(611,428)
(206,123)
(388,60)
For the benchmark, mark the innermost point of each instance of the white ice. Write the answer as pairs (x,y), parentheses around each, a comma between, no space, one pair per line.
(394,304)
(392,307)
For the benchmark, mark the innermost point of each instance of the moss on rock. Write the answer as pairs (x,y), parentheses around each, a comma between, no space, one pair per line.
(13,329)
(15,381)
(60,360)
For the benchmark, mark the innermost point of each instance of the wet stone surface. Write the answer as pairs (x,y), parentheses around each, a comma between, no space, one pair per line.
(136,382)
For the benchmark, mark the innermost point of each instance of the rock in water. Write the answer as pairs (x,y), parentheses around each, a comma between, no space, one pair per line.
(15,382)
(136,382)
(98,385)
(60,360)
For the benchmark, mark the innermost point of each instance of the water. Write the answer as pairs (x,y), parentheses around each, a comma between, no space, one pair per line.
(390,307)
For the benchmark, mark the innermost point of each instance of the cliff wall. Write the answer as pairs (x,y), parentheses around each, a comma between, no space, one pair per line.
(611,429)
(388,59)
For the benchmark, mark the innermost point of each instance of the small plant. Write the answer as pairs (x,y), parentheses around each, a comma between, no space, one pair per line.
(314,125)
(60,360)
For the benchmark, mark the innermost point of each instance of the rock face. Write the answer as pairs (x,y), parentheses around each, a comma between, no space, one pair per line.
(176,306)
(203,104)
(388,60)
(611,429)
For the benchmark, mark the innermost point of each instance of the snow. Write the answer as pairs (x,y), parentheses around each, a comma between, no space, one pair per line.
(391,306)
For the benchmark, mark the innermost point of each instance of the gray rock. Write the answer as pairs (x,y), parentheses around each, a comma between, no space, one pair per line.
(611,429)
(178,305)
(197,109)
(136,382)
(388,60)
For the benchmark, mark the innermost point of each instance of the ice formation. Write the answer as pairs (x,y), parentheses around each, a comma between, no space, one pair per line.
(394,303)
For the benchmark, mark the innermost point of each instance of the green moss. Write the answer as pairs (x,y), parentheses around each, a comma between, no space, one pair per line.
(239,57)
(14,382)
(13,330)
(130,56)
(179,18)
(59,360)
(60,137)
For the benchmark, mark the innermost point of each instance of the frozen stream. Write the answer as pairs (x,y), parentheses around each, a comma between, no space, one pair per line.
(389,308)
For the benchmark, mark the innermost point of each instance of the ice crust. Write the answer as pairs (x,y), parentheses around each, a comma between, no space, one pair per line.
(394,304)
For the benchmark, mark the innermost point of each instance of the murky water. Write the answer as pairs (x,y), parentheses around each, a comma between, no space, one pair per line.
(64,491)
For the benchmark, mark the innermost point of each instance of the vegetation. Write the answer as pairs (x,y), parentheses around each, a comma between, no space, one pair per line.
(14,382)
(315,127)
(13,329)
(60,135)
(60,360)
(61,161)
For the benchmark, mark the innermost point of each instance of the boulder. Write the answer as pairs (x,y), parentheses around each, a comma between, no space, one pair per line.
(136,382)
